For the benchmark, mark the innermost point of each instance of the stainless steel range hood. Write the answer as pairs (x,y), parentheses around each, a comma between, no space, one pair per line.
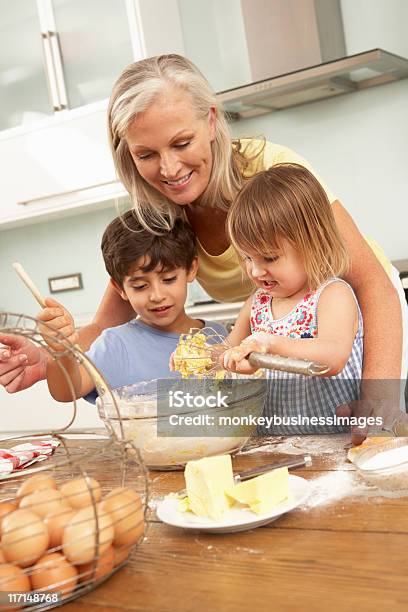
(344,75)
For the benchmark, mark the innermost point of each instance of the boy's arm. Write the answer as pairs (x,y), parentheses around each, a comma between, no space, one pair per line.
(57,379)
(64,368)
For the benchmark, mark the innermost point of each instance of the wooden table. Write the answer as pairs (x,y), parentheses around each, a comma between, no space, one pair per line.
(350,554)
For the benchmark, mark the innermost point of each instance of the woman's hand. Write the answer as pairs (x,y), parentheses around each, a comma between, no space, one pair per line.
(57,319)
(22,363)
(378,410)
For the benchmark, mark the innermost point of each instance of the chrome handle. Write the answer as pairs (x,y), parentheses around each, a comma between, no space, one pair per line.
(50,72)
(287,364)
(59,72)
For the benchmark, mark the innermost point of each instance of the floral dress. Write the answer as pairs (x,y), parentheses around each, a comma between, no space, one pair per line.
(306,404)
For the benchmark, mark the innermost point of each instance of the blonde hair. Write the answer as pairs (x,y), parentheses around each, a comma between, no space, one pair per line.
(134,91)
(287,202)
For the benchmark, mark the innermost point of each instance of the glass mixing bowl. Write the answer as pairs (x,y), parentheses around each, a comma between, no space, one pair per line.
(138,418)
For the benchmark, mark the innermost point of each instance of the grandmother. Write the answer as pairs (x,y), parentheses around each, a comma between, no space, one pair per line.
(173,152)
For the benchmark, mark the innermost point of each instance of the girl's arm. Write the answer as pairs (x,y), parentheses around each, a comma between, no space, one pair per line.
(338,323)
(242,327)
(337,316)
(378,301)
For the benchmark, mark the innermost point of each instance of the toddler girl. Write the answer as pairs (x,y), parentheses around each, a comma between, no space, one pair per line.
(283,228)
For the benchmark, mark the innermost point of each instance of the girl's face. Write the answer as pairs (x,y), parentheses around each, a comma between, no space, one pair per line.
(281,274)
(171,148)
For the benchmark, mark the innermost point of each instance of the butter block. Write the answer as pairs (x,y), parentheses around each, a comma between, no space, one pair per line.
(264,492)
(206,482)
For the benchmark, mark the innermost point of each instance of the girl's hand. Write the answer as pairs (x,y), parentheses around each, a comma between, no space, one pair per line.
(171,362)
(258,342)
(58,319)
(236,358)
(22,363)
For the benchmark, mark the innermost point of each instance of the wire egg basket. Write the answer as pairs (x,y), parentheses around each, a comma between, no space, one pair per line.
(67,523)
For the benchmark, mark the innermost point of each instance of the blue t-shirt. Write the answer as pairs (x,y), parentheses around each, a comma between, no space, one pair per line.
(134,352)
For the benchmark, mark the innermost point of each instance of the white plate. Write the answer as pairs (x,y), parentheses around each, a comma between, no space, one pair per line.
(236,519)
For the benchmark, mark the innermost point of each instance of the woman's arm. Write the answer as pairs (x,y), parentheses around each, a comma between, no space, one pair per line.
(112,311)
(378,301)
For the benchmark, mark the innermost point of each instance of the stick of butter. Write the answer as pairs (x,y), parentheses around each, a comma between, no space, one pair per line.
(263,492)
(207,480)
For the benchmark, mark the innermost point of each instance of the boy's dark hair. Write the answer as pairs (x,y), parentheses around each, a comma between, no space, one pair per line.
(125,241)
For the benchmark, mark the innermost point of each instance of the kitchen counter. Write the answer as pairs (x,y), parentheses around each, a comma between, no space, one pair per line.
(345,548)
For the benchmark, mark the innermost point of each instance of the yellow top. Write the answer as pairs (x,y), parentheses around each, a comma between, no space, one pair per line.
(221,275)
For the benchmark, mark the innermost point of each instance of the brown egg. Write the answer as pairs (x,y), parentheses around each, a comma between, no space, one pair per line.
(104,566)
(38,482)
(125,508)
(12,578)
(5,508)
(79,539)
(25,537)
(53,573)
(56,522)
(42,502)
(121,554)
(77,493)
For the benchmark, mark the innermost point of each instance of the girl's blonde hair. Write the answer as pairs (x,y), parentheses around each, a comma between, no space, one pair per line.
(287,202)
(135,90)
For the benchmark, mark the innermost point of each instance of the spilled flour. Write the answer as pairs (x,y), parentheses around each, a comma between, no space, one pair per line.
(298,445)
(335,486)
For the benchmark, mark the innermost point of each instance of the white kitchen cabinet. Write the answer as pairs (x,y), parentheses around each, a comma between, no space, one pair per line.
(23,81)
(60,54)
(62,164)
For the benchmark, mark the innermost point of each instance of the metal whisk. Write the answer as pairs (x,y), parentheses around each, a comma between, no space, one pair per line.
(199,351)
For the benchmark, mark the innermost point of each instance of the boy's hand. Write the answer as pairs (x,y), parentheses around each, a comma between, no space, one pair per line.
(171,362)
(59,319)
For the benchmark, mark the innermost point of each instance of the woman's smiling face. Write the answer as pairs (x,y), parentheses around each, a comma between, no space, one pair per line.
(171,147)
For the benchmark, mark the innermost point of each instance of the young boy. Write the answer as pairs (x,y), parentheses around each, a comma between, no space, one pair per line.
(151,272)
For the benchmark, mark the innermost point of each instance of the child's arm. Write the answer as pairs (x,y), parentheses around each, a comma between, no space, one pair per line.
(242,326)
(59,319)
(338,322)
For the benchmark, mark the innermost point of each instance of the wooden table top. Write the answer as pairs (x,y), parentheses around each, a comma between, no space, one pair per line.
(345,548)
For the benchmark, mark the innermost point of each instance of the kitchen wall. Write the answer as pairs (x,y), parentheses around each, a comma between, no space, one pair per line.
(55,248)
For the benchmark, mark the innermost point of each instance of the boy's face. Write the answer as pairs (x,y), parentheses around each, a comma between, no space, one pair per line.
(157,297)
